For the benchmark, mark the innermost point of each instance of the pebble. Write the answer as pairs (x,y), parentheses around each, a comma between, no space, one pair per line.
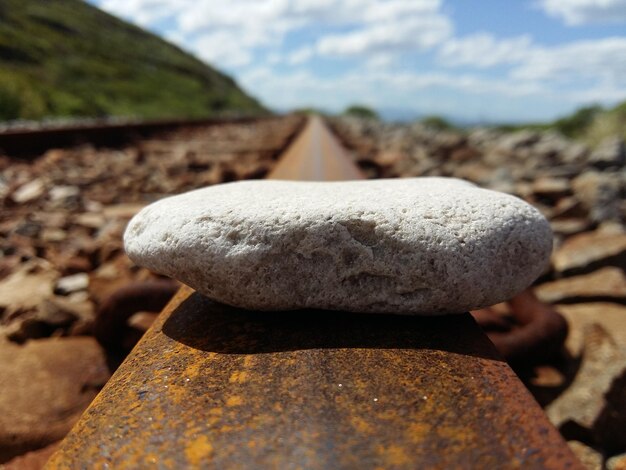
(406,246)
(74,283)
(29,191)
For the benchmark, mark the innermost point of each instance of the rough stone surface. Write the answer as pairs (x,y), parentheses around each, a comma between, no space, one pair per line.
(34,460)
(591,250)
(617,462)
(587,409)
(610,153)
(611,316)
(46,385)
(423,245)
(600,193)
(591,458)
(606,284)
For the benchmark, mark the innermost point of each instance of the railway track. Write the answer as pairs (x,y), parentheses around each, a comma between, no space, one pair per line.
(28,143)
(312,389)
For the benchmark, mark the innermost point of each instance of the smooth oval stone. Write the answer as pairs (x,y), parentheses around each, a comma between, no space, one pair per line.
(405,246)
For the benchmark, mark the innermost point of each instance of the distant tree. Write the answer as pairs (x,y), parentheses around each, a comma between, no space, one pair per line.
(309,111)
(360,111)
(437,122)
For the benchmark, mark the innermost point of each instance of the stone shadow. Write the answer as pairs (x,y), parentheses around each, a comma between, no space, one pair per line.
(203,324)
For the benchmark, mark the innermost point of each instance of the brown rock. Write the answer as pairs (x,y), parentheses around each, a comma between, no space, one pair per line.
(23,290)
(464,154)
(63,193)
(611,152)
(551,188)
(578,410)
(474,171)
(89,219)
(617,462)
(123,211)
(389,158)
(8,264)
(46,384)
(75,306)
(51,235)
(600,194)
(56,316)
(34,460)
(568,207)
(27,192)
(52,220)
(574,153)
(74,264)
(26,327)
(569,227)
(73,283)
(588,251)
(610,425)
(591,458)
(611,316)
(605,284)
(509,143)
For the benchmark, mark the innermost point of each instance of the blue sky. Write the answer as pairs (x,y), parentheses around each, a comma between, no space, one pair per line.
(468,60)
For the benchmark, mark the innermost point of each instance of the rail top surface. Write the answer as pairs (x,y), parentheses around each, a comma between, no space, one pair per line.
(213,386)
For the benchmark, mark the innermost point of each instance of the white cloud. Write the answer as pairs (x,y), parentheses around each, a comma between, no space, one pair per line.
(229,33)
(142,12)
(388,42)
(300,56)
(376,88)
(412,33)
(484,50)
(594,69)
(600,60)
(578,12)
(220,48)
(604,93)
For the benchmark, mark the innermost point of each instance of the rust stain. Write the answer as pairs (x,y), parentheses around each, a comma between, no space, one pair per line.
(418,431)
(474,412)
(239,377)
(198,450)
(361,425)
(394,456)
(248,361)
(234,401)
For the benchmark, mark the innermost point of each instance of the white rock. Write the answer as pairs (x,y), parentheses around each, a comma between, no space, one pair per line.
(74,283)
(62,193)
(29,191)
(407,246)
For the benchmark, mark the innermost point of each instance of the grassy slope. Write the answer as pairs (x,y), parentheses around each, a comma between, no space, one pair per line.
(67,58)
(590,124)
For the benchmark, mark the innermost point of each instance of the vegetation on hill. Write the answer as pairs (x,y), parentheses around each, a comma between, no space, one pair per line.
(437,122)
(590,124)
(67,58)
(360,111)
(310,110)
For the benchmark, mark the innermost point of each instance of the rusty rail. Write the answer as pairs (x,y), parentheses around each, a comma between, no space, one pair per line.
(213,386)
(26,143)
(315,156)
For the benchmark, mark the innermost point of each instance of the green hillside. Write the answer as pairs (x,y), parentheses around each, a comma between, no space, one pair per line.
(590,124)
(67,58)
